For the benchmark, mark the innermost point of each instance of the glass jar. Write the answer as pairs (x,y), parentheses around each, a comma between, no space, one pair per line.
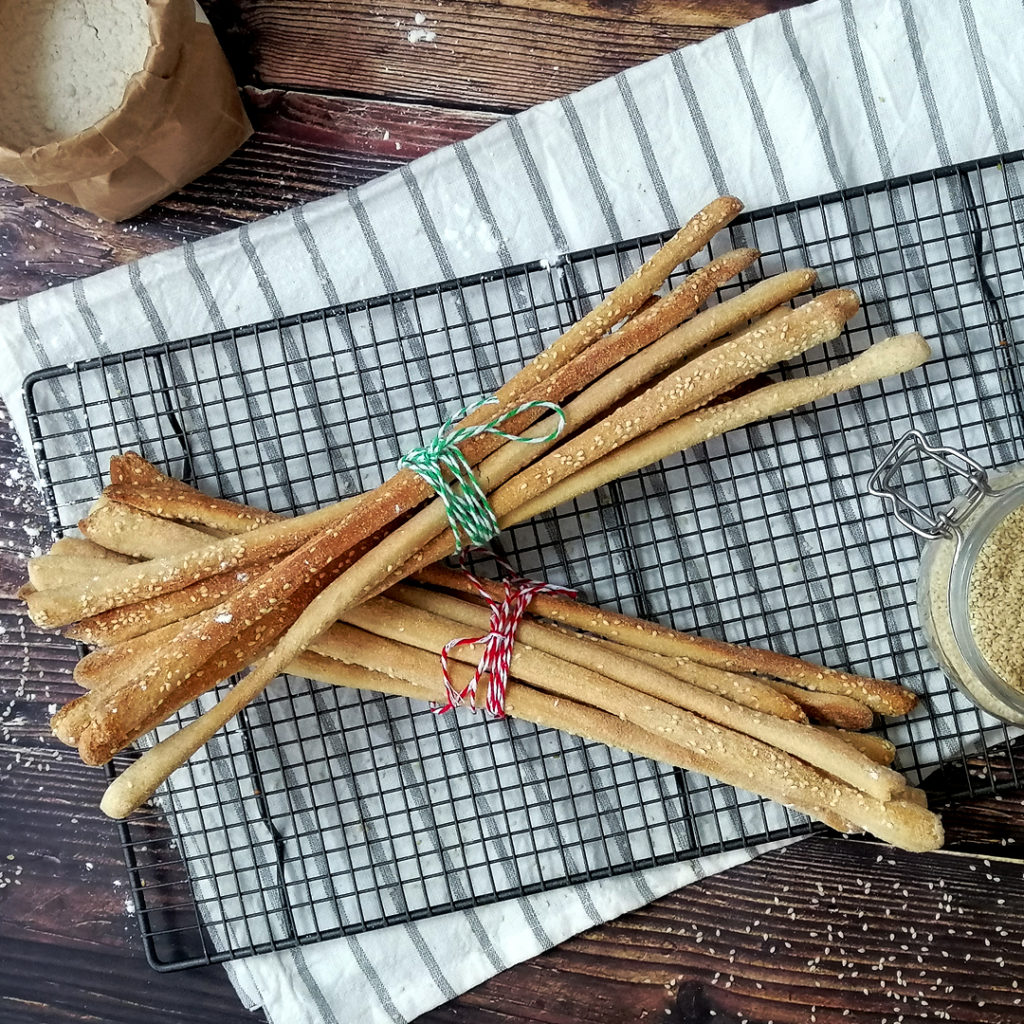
(956,537)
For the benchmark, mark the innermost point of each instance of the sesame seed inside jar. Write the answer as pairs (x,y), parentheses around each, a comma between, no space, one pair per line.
(995,599)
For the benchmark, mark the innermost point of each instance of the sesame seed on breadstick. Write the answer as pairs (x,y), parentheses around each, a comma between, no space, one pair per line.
(49,570)
(131,620)
(327,533)
(751,692)
(131,531)
(71,720)
(879,749)
(879,694)
(713,751)
(823,750)
(106,668)
(696,382)
(129,584)
(188,505)
(79,547)
(736,312)
(885,358)
(827,708)
(642,332)
(720,753)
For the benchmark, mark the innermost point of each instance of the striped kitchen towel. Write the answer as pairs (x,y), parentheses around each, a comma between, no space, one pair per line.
(833,94)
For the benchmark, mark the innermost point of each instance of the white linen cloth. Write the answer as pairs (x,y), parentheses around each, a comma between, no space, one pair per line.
(792,105)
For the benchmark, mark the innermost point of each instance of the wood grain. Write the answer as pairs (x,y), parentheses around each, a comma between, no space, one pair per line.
(827,929)
(823,931)
(305,147)
(509,55)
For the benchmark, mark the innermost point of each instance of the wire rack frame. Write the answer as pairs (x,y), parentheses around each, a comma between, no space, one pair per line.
(325,812)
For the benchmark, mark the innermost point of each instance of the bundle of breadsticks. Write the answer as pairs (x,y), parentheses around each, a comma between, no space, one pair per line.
(178,591)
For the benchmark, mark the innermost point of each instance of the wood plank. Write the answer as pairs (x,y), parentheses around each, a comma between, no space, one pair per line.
(823,931)
(70,905)
(70,945)
(305,147)
(499,54)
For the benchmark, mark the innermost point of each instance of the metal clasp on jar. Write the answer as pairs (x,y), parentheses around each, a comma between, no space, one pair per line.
(926,522)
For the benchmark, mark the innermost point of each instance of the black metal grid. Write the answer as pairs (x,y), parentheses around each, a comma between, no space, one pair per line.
(325,812)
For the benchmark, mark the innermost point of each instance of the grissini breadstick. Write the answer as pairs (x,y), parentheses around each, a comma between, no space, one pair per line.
(79,547)
(352,647)
(642,333)
(760,303)
(398,662)
(809,325)
(878,694)
(129,584)
(735,759)
(827,708)
(119,624)
(884,359)
(212,645)
(131,468)
(151,689)
(818,319)
(130,531)
(696,382)
(905,823)
(122,661)
(331,531)
(751,692)
(122,796)
(879,749)
(71,720)
(431,609)
(50,570)
(188,505)
(646,363)
(131,475)
(736,313)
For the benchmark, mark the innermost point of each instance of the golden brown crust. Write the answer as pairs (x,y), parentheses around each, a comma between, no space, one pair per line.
(130,584)
(878,694)
(548,658)
(110,667)
(693,744)
(137,482)
(828,708)
(884,359)
(50,570)
(641,332)
(751,692)
(692,385)
(191,506)
(79,547)
(879,749)
(71,720)
(120,624)
(130,531)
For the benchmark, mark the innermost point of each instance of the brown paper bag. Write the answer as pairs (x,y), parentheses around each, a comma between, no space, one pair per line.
(180,116)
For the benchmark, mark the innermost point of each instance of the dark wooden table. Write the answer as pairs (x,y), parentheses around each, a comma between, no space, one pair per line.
(826,931)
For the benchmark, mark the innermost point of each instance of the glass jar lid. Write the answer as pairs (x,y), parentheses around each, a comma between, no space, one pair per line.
(967,619)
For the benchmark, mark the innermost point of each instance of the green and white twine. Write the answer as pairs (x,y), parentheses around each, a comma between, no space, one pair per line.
(441,463)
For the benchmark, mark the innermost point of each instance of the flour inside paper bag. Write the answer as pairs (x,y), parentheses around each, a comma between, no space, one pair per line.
(66,64)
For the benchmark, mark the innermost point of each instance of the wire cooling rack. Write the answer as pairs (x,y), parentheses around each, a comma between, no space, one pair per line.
(323,812)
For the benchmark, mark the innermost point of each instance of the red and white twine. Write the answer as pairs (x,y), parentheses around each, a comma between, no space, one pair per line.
(498,641)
